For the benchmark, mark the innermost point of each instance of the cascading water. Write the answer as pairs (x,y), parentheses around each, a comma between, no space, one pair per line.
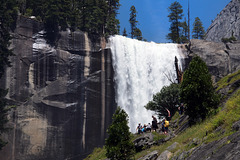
(140,70)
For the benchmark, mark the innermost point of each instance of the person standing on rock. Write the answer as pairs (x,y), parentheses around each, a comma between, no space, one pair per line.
(181,108)
(166,125)
(148,127)
(154,124)
(139,128)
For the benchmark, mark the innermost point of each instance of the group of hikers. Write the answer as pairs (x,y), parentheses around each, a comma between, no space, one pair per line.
(164,122)
(153,127)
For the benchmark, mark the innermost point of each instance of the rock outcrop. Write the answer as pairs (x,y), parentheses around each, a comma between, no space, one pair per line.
(143,142)
(151,156)
(226,24)
(225,149)
(64,95)
(221,59)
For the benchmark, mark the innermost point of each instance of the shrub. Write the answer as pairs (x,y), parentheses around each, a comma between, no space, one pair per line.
(227,40)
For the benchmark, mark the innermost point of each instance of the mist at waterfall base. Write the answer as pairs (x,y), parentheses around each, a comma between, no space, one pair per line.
(140,71)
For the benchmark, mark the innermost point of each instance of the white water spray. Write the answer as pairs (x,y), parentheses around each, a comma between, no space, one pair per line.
(140,70)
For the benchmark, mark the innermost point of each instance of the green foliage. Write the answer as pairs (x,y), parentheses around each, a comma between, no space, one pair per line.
(133,21)
(99,17)
(138,34)
(230,79)
(37,7)
(125,32)
(8,18)
(197,91)
(184,32)
(229,40)
(98,153)
(157,136)
(167,98)
(28,12)
(119,144)
(3,115)
(227,116)
(51,20)
(176,14)
(198,30)
(96,17)
(8,14)
(112,23)
(176,116)
(135,32)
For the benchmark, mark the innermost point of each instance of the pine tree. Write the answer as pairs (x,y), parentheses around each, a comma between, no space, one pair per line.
(138,34)
(184,32)
(112,26)
(133,21)
(8,14)
(37,7)
(176,14)
(197,91)
(118,144)
(125,32)
(21,4)
(74,19)
(64,13)
(98,17)
(198,30)
(51,20)
(94,14)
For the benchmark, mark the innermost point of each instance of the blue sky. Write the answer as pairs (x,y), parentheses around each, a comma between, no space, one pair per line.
(153,20)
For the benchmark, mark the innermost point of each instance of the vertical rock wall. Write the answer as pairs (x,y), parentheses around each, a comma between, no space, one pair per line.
(221,59)
(64,95)
(226,23)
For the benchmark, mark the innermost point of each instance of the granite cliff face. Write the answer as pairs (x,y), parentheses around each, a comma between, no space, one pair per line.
(64,95)
(226,23)
(221,59)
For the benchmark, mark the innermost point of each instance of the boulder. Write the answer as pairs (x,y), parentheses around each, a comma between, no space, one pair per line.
(182,124)
(166,155)
(144,141)
(173,146)
(151,156)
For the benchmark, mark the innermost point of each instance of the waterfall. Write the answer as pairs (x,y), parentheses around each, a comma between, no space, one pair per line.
(140,70)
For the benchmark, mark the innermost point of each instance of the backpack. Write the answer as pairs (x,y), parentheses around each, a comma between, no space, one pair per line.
(166,124)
